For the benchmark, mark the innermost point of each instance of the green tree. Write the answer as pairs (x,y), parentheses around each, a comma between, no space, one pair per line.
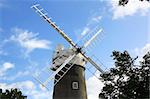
(12,94)
(127,80)
(124,2)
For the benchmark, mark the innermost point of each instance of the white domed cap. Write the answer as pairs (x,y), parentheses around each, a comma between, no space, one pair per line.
(59,47)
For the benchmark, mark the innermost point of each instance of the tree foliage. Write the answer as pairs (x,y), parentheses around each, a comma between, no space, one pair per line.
(12,94)
(124,2)
(127,80)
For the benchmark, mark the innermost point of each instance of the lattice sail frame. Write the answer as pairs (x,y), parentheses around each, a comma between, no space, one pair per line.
(76,50)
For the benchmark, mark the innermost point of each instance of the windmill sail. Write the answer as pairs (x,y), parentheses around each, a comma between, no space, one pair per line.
(43,14)
(92,39)
(63,69)
(60,69)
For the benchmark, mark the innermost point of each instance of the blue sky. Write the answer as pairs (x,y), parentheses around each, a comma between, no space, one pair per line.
(27,42)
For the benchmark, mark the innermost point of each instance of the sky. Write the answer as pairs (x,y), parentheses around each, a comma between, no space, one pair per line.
(27,42)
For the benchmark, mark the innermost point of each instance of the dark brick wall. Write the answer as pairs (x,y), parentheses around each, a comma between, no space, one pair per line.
(63,89)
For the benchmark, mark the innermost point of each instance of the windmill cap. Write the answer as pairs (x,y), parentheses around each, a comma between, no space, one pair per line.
(59,47)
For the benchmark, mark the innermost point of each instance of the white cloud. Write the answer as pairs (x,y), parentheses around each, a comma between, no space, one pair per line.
(19,74)
(42,95)
(148,28)
(91,23)
(29,40)
(97,18)
(133,7)
(22,73)
(142,51)
(8,65)
(91,27)
(29,89)
(5,67)
(85,31)
(28,85)
(94,87)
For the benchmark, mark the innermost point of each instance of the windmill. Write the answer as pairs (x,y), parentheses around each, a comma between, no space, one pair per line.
(68,65)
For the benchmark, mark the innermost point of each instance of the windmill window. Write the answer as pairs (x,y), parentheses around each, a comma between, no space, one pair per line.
(75,85)
(83,59)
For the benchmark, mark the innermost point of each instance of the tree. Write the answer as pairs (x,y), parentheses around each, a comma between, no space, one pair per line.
(12,94)
(124,2)
(127,80)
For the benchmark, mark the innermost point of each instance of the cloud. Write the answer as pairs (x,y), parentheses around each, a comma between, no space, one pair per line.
(133,7)
(148,28)
(29,89)
(5,67)
(97,18)
(142,51)
(94,87)
(90,25)
(20,85)
(29,40)
(19,74)
(85,31)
